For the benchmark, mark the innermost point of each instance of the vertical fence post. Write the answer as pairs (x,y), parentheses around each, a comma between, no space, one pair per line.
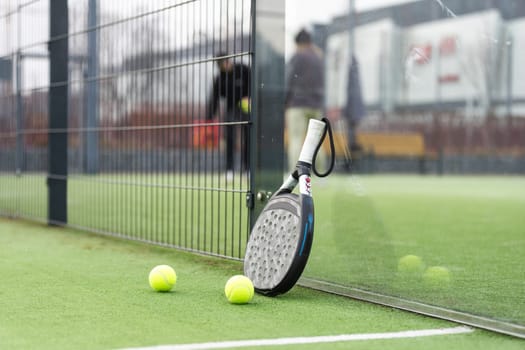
(267,100)
(20,161)
(58,108)
(508,87)
(91,122)
(19,116)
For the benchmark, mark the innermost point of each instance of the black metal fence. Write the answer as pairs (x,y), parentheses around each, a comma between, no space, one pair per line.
(131,142)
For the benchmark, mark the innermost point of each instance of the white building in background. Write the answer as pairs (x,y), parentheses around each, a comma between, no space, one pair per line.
(373,50)
(469,63)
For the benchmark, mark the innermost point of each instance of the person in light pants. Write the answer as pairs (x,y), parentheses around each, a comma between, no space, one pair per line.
(304,95)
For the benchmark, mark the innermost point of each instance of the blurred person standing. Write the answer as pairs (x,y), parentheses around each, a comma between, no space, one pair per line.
(304,93)
(354,109)
(233,85)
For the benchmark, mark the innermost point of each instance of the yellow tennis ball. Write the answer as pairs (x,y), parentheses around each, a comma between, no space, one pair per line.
(239,289)
(410,265)
(245,105)
(162,278)
(437,277)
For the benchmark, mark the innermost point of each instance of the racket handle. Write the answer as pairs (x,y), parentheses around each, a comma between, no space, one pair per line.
(313,137)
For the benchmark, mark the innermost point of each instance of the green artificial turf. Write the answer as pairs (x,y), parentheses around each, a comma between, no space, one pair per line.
(65,289)
(199,212)
(472,225)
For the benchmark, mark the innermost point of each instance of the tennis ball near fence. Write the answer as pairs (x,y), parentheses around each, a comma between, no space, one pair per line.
(239,289)
(162,278)
(436,277)
(411,265)
(245,105)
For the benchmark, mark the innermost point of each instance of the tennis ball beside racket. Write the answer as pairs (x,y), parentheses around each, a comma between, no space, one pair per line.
(239,289)
(162,278)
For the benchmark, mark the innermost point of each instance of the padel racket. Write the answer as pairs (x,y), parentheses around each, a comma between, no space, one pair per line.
(280,241)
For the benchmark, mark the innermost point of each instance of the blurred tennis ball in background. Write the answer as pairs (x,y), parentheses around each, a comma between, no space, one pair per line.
(239,289)
(162,278)
(245,105)
(410,265)
(436,277)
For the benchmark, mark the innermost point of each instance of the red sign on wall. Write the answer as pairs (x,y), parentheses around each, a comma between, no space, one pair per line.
(448,46)
(421,53)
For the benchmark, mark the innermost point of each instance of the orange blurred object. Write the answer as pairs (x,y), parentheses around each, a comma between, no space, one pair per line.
(206,136)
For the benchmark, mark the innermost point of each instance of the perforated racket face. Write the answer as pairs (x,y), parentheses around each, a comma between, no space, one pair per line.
(273,242)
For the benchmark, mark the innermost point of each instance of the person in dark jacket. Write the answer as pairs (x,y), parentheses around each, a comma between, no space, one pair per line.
(233,85)
(304,94)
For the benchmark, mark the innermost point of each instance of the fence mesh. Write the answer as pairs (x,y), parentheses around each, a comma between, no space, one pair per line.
(147,157)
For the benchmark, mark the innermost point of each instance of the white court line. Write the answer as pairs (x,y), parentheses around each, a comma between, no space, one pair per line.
(310,340)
